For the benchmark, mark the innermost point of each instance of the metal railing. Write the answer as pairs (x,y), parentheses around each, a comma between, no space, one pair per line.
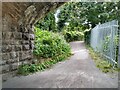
(104,39)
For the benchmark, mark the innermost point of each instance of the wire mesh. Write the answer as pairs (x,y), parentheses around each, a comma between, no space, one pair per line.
(104,39)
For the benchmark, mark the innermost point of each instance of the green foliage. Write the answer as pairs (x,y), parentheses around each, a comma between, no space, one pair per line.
(32,68)
(73,35)
(47,23)
(49,44)
(49,47)
(85,13)
(116,40)
(101,62)
(106,44)
(87,34)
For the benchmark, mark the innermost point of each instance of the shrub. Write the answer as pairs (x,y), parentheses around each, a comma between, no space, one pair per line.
(49,44)
(87,34)
(32,68)
(49,47)
(73,36)
(102,63)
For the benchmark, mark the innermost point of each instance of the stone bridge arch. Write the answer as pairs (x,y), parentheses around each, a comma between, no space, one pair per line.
(18,19)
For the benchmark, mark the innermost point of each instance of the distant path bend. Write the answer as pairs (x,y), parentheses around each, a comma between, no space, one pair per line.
(77,72)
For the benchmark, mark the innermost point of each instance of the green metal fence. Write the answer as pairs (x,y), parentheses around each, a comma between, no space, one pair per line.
(104,39)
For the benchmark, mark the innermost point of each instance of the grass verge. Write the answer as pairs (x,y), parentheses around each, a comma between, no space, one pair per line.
(27,69)
(103,64)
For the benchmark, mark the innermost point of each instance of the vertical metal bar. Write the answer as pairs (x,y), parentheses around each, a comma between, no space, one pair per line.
(115,46)
(112,44)
(119,52)
(119,46)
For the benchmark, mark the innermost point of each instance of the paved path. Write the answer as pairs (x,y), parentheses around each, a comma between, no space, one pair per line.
(77,72)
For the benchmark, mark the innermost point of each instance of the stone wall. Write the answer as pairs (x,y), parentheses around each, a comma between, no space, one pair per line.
(18,19)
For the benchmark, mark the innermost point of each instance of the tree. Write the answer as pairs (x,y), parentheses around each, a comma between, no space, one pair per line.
(87,13)
(47,23)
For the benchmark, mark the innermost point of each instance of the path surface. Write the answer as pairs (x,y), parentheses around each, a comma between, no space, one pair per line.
(77,72)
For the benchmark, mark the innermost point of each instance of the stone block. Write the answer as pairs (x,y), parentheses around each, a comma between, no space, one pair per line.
(25,36)
(17,35)
(9,42)
(5,27)
(12,61)
(25,42)
(7,35)
(26,30)
(20,55)
(31,42)
(5,42)
(32,36)
(17,42)
(25,55)
(32,46)
(13,55)
(13,28)
(14,66)
(6,48)
(5,56)
(5,68)
(26,47)
(13,47)
(2,62)
(26,62)
(18,47)
(20,28)
(31,30)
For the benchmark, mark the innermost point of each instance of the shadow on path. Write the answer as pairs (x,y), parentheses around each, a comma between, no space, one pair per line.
(77,72)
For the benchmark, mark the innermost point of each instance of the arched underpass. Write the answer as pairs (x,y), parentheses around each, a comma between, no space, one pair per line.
(18,19)
(18,35)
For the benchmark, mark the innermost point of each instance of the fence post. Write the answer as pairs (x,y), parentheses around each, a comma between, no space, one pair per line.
(119,44)
(119,50)
(119,56)
(119,61)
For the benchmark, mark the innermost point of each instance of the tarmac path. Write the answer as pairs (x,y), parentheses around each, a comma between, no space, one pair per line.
(79,71)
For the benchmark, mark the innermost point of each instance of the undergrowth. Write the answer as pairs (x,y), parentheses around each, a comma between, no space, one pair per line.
(50,48)
(26,69)
(73,35)
(103,64)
